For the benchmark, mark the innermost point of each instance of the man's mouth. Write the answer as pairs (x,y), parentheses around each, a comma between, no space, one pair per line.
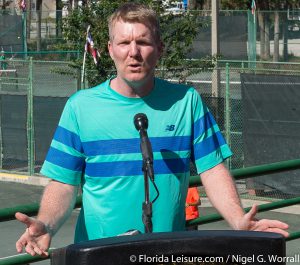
(135,65)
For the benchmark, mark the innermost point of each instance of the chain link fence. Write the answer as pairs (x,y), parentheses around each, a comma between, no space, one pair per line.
(269,35)
(255,105)
(32,96)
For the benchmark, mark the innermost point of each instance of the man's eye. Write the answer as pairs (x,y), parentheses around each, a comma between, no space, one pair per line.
(143,42)
(123,43)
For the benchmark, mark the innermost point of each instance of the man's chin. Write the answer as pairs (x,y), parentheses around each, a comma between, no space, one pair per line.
(138,79)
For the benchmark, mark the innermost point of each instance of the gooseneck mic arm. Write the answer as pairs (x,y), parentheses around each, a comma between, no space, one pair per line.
(141,124)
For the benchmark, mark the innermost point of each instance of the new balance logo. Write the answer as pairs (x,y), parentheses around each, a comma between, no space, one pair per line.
(170,128)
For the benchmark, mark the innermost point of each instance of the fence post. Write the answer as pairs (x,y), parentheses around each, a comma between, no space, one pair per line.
(251,39)
(227,109)
(1,138)
(30,127)
(24,33)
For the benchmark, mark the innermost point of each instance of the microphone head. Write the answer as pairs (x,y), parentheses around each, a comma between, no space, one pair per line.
(140,121)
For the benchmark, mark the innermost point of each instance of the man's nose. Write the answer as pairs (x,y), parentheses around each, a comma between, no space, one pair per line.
(134,49)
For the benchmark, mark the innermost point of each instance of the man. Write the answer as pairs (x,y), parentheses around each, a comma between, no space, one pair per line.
(97,146)
(3,63)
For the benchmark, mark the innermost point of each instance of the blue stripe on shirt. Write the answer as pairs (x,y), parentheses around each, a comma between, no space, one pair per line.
(65,160)
(209,145)
(68,138)
(127,146)
(132,168)
(203,124)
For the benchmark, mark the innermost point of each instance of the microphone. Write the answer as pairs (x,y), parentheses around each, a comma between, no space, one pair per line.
(141,124)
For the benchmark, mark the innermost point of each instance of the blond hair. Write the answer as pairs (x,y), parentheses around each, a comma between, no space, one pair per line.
(135,13)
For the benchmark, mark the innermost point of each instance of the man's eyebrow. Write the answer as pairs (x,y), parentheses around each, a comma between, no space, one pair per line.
(144,36)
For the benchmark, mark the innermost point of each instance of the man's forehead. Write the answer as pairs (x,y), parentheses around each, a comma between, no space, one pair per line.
(129,28)
(131,24)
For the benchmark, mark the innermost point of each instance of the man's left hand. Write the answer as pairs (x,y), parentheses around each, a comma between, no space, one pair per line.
(249,222)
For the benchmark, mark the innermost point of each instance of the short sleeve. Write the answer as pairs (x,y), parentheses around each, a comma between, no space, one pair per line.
(65,160)
(209,146)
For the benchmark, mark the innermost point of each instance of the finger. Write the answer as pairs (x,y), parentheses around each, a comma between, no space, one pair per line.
(253,211)
(274,224)
(280,224)
(279,231)
(19,247)
(44,246)
(30,250)
(37,250)
(21,243)
(25,219)
(45,253)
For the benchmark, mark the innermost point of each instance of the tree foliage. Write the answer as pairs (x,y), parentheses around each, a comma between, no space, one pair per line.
(260,4)
(178,33)
(272,25)
(245,4)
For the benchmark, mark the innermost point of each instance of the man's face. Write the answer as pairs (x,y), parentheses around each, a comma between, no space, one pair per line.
(135,51)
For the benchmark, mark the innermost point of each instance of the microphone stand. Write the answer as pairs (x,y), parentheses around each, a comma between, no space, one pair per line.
(141,124)
(147,204)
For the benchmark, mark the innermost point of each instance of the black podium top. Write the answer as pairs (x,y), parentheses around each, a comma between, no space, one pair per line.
(188,247)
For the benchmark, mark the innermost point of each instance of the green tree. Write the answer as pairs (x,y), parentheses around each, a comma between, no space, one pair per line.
(236,4)
(266,21)
(178,33)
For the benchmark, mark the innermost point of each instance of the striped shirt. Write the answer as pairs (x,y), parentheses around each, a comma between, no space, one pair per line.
(96,145)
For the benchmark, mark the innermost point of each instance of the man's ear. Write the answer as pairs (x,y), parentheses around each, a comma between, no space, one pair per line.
(109,47)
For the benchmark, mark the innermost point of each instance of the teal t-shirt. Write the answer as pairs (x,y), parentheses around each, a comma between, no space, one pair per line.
(3,63)
(97,145)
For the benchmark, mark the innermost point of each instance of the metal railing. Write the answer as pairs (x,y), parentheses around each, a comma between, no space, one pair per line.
(32,209)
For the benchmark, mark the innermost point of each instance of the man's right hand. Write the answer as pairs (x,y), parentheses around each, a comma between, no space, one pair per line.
(36,238)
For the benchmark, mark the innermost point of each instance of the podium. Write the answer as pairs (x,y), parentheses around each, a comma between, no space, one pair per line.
(187,247)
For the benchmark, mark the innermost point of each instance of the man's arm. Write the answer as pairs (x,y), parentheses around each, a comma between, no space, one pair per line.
(221,190)
(56,205)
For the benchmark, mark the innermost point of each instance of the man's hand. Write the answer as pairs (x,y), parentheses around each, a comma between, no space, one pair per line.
(221,191)
(249,222)
(36,238)
(56,206)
